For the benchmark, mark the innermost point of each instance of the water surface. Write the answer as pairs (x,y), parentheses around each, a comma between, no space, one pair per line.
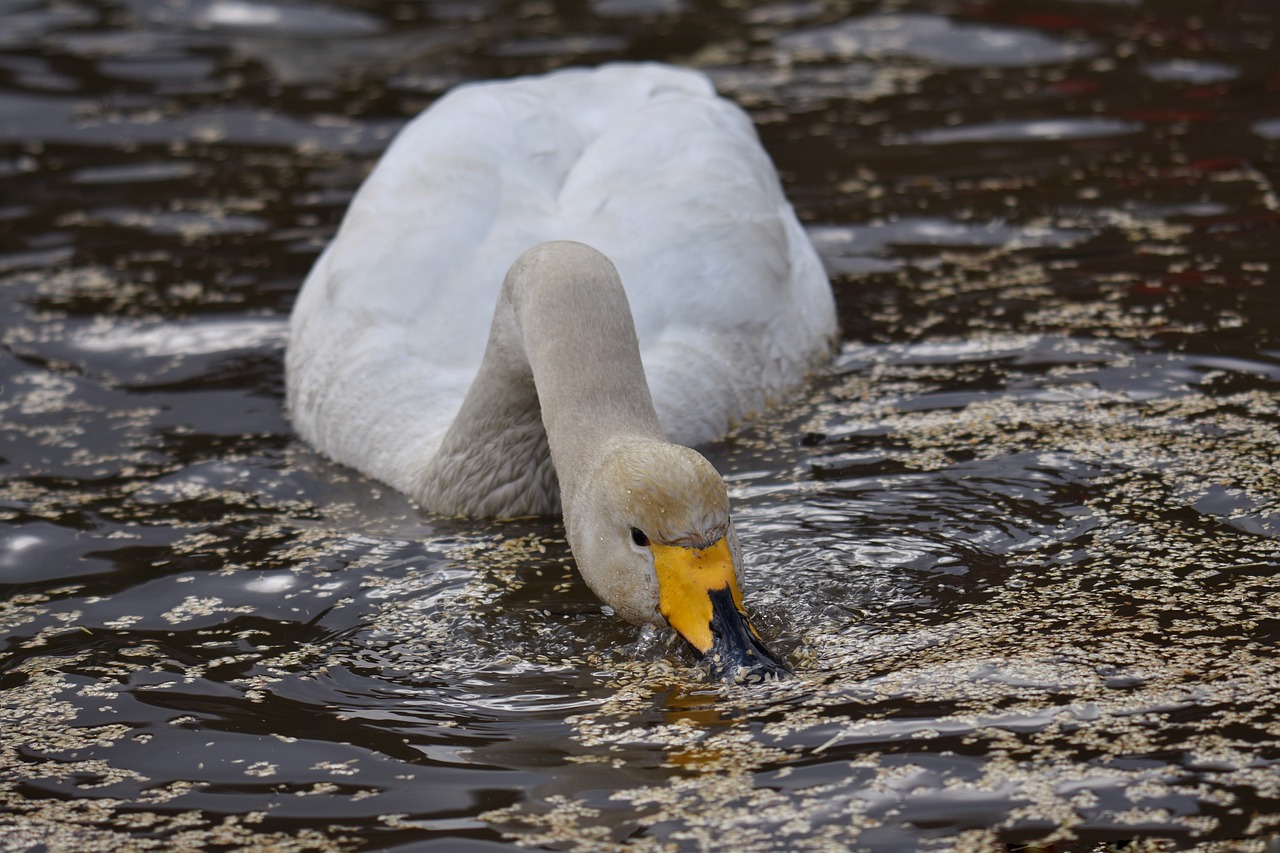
(1019,540)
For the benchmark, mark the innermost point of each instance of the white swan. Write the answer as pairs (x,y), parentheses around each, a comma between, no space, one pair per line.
(415,360)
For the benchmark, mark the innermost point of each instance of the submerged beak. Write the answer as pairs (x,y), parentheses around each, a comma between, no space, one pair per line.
(698,595)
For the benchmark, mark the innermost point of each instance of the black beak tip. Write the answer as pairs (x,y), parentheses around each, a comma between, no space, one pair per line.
(736,654)
(748,669)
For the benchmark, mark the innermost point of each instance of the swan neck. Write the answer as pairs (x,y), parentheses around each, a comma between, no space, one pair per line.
(577,333)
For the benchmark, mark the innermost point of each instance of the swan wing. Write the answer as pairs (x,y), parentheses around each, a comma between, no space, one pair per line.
(644,163)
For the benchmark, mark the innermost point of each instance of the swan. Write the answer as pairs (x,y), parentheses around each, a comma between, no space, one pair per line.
(546,290)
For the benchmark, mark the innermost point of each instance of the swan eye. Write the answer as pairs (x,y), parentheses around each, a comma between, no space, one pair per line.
(638,537)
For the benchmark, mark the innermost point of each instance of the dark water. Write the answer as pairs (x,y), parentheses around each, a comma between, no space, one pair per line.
(1020,541)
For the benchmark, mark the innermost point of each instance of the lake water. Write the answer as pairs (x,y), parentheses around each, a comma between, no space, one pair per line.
(1019,541)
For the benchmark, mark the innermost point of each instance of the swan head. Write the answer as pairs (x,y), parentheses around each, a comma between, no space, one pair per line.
(652,537)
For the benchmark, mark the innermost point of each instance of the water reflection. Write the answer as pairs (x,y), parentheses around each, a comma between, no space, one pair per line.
(1019,542)
(935,39)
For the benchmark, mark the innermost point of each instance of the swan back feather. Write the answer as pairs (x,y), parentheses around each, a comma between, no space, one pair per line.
(643,162)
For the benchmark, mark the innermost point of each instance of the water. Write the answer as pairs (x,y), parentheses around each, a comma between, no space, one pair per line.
(1019,541)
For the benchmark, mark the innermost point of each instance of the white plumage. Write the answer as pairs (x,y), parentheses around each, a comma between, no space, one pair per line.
(643,162)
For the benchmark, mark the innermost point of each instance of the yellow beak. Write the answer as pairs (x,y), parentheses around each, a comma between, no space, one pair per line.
(699,597)
(686,579)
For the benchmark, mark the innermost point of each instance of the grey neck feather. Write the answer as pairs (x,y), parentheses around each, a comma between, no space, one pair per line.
(561,373)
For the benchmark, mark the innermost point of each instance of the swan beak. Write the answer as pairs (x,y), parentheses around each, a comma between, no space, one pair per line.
(699,597)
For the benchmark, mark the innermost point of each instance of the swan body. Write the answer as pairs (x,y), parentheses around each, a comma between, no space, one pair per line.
(546,288)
